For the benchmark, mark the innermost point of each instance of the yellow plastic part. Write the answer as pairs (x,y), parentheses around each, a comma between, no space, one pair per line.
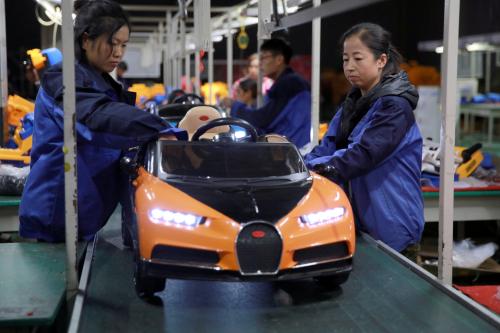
(323,127)
(17,108)
(464,170)
(21,153)
(157,89)
(219,91)
(37,58)
(143,93)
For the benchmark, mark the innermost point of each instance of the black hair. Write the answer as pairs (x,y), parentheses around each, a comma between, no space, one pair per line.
(378,40)
(123,65)
(249,85)
(96,18)
(278,46)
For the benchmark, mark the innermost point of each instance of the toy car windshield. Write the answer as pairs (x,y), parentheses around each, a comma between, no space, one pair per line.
(254,162)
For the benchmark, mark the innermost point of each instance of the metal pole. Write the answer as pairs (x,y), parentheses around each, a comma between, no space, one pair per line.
(315,77)
(449,107)
(210,73)
(187,65)
(197,73)
(163,31)
(229,53)
(264,9)
(3,69)
(487,81)
(69,148)
(182,50)
(168,46)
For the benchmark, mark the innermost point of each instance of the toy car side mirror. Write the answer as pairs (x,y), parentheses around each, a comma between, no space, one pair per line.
(128,165)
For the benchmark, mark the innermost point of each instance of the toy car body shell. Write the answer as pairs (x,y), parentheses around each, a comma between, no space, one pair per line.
(210,249)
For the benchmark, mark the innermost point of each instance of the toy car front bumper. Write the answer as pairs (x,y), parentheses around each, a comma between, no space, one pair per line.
(172,270)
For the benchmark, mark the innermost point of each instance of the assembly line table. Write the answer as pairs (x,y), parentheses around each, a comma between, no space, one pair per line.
(475,205)
(9,213)
(32,283)
(490,111)
(381,295)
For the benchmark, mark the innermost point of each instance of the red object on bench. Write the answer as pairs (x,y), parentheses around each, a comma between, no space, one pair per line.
(489,296)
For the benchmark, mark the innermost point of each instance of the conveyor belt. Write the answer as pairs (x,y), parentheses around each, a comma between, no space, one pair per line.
(382,295)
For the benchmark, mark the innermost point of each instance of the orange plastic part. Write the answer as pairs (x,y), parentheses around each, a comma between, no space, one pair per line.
(37,58)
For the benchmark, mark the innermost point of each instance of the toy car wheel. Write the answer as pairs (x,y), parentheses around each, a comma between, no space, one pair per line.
(331,281)
(146,286)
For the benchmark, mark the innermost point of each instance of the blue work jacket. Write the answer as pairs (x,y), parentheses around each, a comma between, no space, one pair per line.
(107,124)
(286,110)
(382,163)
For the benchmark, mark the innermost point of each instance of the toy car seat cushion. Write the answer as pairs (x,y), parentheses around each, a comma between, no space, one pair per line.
(199,116)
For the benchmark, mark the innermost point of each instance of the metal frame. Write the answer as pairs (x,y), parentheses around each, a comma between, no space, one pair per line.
(315,75)
(82,287)
(69,148)
(448,123)
(327,9)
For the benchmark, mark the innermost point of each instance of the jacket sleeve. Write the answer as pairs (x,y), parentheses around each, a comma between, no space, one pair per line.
(100,113)
(323,152)
(382,135)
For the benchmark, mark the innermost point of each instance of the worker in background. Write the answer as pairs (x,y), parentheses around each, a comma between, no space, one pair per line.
(373,143)
(107,124)
(120,71)
(252,72)
(287,106)
(247,92)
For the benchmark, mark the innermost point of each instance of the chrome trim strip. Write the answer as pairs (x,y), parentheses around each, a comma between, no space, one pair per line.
(192,264)
(322,262)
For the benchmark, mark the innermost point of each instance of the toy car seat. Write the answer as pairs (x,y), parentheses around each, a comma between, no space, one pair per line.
(273,138)
(199,116)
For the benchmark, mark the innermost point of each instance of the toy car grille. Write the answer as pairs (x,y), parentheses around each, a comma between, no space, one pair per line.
(259,249)
(321,253)
(185,255)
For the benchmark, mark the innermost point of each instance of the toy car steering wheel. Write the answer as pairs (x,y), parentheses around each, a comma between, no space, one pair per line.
(226,121)
(189,99)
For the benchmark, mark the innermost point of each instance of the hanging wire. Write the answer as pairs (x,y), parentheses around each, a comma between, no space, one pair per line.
(39,18)
(54,35)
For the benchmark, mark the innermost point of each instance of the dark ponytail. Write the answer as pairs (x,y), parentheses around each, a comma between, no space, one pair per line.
(378,40)
(96,18)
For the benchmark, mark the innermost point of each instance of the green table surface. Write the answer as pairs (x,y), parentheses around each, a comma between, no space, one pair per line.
(9,200)
(465,194)
(32,283)
(381,295)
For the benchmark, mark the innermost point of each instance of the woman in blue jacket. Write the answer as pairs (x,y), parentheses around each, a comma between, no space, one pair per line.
(373,144)
(107,124)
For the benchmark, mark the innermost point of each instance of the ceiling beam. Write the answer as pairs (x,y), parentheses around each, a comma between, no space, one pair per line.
(156,19)
(159,8)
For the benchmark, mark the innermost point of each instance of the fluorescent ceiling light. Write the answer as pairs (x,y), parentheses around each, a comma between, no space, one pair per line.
(479,46)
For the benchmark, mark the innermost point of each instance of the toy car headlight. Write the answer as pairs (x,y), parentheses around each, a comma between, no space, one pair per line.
(168,217)
(326,216)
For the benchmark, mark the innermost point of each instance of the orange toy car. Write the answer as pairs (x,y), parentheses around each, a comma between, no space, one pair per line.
(229,210)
